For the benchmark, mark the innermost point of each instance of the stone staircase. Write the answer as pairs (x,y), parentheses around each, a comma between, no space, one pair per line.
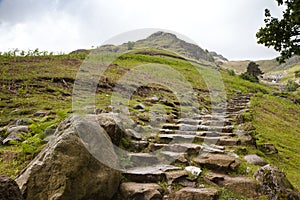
(192,158)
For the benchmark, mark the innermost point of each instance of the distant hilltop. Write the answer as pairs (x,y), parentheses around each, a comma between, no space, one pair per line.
(171,42)
(168,41)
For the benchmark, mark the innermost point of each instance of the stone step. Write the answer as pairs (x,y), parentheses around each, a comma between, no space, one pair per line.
(175,138)
(235,109)
(195,193)
(189,148)
(172,157)
(182,138)
(215,134)
(148,174)
(170,126)
(186,132)
(138,159)
(239,184)
(198,133)
(176,176)
(212,117)
(227,129)
(227,141)
(223,122)
(213,149)
(167,131)
(189,121)
(219,162)
(132,190)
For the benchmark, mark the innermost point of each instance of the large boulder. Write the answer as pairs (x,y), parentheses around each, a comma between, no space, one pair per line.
(69,167)
(9,189)
(275,184)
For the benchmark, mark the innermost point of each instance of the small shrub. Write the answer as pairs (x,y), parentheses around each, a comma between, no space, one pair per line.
(130,45)
(231,72)
(291,86)
(248,77)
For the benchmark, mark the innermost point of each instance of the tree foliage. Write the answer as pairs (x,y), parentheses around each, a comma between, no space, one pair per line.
(130,45)
(291,86)
(283,34)
(252,73)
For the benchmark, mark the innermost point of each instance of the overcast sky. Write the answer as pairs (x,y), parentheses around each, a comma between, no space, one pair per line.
(225,26)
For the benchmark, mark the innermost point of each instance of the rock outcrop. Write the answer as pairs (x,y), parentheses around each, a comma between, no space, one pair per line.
(65,169)
(275,184)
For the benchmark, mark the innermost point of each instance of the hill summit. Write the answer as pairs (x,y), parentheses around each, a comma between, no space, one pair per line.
(171,42)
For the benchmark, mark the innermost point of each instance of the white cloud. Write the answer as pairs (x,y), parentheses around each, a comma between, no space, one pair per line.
(225,26)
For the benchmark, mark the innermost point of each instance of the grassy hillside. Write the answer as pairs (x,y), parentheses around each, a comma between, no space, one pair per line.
(277,122)
(33,83)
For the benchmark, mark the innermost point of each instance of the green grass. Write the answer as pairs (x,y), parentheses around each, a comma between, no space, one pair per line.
(277,122)
(29,84)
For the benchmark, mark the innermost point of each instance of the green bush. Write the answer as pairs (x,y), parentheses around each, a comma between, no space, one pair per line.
(291,86)
(231,72)
(248,77)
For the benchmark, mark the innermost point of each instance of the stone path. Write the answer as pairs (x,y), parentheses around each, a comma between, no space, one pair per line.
(174,160)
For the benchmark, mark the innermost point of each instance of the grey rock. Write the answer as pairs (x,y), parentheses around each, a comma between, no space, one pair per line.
(20,122)
(189,121)
(153,173)
(189,148)
(18,129)
(170,126)
(69,167)
(139,106)
(3,130)
(153,99)
(172,157)
(111,123)
(274,183)
(99,111)
(213,149)
(255,160)
(40,113)
(186,182)
(9,189)
(268,148)
(132,134)
(139,145)
(175,138)
(195,171)
(11,137)
(141,159)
